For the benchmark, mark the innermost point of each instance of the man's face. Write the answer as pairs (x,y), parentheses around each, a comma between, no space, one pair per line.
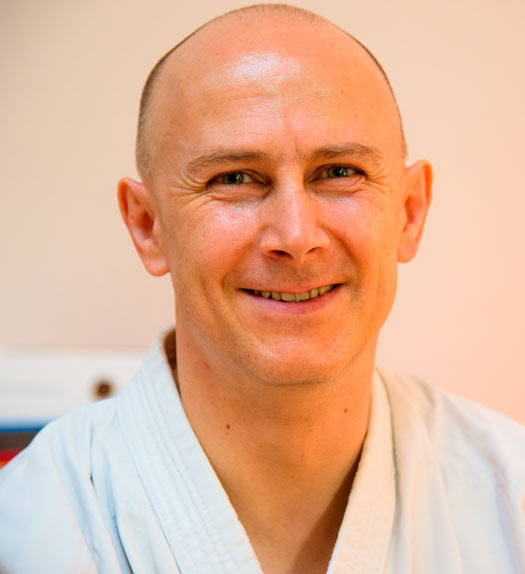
(278,168)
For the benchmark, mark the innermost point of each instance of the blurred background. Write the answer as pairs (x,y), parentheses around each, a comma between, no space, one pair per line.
(76,307)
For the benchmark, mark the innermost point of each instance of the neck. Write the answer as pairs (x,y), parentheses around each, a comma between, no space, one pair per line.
(284,454)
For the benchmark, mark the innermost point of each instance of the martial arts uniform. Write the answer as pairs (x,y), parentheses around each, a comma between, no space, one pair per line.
(124,486)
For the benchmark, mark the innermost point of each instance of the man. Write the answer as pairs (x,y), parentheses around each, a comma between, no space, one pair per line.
(259,437)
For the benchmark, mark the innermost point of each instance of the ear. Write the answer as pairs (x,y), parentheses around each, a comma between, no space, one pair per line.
(139,216)
(417,198)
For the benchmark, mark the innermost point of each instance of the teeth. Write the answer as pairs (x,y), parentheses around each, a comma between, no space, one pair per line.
(295,297)
(287,297)
(302,296)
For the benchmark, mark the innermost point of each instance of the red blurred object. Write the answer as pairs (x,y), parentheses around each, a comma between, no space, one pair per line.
(14,438)
(7,454)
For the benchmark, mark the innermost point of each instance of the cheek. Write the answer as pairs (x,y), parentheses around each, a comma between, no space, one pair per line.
(224,233)
(208,241)
(362,226)
(366,232)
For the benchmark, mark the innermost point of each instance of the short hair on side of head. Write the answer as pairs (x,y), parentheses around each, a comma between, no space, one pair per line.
(142,151)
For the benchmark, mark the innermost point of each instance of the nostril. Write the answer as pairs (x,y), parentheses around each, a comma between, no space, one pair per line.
(281,253)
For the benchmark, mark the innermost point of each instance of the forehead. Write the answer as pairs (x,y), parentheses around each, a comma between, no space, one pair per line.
(260,78)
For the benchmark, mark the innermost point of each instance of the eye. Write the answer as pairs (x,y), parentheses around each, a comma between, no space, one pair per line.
(237,185)
(337,171)
(234,178)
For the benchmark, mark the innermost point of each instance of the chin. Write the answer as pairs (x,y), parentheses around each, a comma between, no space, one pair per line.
(295,370)
(316,362)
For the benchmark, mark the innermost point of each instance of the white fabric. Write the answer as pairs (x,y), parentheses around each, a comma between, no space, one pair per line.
(124,486)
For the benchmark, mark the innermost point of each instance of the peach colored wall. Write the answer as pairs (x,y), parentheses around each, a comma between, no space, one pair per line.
(71,78)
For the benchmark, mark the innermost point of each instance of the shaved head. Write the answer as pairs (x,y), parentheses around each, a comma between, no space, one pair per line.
(144,135)
(272,161)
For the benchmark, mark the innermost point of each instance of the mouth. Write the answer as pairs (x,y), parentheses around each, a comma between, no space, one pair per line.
(293,297)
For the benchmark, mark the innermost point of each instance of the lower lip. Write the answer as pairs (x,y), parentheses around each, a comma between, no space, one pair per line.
(298,308)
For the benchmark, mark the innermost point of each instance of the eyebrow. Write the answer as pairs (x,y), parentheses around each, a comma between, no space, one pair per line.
(331,151)
(210,159)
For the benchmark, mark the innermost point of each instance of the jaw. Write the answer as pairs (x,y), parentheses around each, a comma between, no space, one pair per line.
(260,341)
(292,344)
(298,360)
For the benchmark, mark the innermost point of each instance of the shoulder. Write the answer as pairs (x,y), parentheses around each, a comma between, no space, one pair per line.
(47,493)
(78,482)
(63,450)
(71,437)
(463,465)
(459,431)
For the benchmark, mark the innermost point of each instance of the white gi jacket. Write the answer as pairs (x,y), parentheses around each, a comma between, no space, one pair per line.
(124,486)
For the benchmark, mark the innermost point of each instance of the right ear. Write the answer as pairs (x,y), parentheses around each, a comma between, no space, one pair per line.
(140,219)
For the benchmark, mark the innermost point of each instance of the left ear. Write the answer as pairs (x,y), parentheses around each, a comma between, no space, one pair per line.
(417,198)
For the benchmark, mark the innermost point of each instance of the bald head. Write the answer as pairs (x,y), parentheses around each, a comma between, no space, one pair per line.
(264,15)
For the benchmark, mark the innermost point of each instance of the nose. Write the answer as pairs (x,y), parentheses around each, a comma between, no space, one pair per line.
(293,223)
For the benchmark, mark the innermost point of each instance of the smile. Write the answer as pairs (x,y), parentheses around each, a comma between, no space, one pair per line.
(293,297)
